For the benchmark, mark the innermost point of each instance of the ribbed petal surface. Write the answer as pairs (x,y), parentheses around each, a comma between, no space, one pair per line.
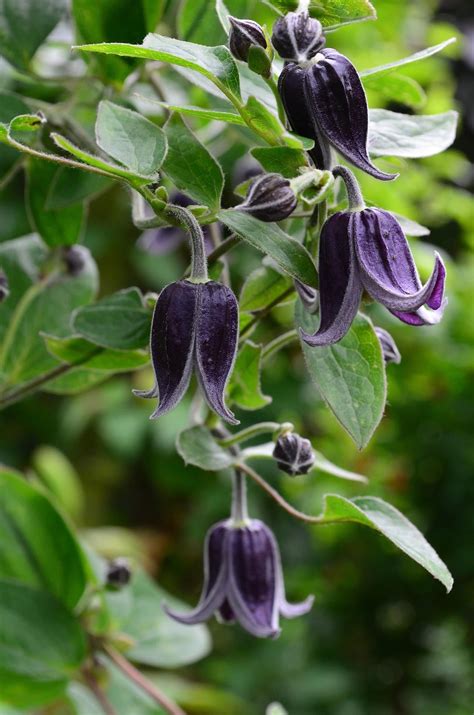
(253,579)
(337,101)
(340,289)
(172,342)
(386,264)
(217,334)
(291,89)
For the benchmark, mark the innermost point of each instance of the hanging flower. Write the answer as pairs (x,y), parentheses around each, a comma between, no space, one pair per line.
(243,580)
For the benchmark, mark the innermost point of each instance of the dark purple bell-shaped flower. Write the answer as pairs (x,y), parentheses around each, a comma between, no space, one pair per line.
(325,101)
(294,454)
(367,249)
(389,347)
(297,36)
(243,580)
(195,327)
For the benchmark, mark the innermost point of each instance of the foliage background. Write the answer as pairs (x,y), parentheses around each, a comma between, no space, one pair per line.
(383,638)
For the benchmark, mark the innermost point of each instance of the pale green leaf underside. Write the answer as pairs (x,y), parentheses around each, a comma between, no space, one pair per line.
(390,66)
(198,447)
(410,136)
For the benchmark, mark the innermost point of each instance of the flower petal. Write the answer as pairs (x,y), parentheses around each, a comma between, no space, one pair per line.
(217,334)
(172,342)
(387,268)
(293,610)
(340,289)
(422,316)
(337,102)
(253,571)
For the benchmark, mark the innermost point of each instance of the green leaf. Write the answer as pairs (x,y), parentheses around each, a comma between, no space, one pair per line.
(198,22)
(159,641)
(374,512)
(290,255)
(10,106)
(197,446)
(24,25)
(262,287)
(120,321)
(215,63)
(41,645)
(76,350)
(350,375)
(70,186)
(42,302)
(213,114)
(283,160)
(57,227)
(396,87)
(58,476)
(190,166)
(38,547)
(422,55)
(264,122)
(244,386)
(75,381)
(410,227)
(130,138)
(331,13)
(412,136)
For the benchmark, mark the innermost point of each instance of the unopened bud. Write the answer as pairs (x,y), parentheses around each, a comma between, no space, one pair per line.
(270,198)
(389,348)
(294,454)
(118,574)
(4,288)
(297,37)
(245,34)
(74,258)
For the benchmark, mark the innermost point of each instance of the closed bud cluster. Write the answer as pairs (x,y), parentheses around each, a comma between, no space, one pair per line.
(4,289)
(243,35)
(297,37)
(118,574)
(294,454)
(270,198)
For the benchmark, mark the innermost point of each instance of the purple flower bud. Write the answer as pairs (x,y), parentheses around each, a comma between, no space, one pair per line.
(326,102)
(270,198)
(4,288)
(195,326)
(294,454)
(243,580)
(245,34)
(118,574)
(368,250)
(297,36)
(389,347)
(75,259)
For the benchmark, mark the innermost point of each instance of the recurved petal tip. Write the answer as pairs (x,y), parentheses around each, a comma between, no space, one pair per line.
(293,610)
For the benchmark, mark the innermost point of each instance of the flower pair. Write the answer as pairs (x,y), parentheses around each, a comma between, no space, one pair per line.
(243,580)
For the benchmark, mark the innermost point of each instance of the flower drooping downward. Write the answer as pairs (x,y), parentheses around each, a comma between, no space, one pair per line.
(243,580)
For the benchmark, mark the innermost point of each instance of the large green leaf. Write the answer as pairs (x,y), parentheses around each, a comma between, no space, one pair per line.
(215,63)
(76,350)
(190,166)
(203,113)
(331,13)
(384,518)
(410,135)
(262,287)
(422,55)
(350,375)
(41,645)
(130,138)
(56,226)
(197,446)
(70,186)
(244,386)
(283,160)
(119,321)
(24,25)
(159,641)
(290,255)
(42,302)
(396,87)
(38,547)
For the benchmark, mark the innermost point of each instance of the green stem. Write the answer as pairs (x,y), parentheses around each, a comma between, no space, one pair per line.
(278,343)
(199,272)
(264,311)
(239,511)
(274,87)
(249,433)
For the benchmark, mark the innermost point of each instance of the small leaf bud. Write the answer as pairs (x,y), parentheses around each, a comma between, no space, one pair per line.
(294,454)
(270,198)
(245,34)
(297,37)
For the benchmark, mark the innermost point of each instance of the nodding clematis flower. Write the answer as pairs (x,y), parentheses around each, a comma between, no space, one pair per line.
(367,249)
(243,580)
(325,101)
(389,347)
(195,327)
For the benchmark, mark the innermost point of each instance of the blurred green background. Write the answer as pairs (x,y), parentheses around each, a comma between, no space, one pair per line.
(383,637)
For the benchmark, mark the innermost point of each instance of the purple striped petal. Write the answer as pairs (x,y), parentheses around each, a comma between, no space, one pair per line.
(386,264)
(217,334)
(340,288)
(337,103)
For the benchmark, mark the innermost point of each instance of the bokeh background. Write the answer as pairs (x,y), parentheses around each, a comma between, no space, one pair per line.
(383,637)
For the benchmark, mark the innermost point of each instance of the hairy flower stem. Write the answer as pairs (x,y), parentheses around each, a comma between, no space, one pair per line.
(249,433)
(189,222)
(143,683)
(239,511)
(354,194)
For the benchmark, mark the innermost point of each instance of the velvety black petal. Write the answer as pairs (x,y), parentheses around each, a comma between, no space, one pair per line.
(215,578)
(217,335)
(252,584)
(387,268)
(340,289)
(172,342)
(291,89)
(337,103)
